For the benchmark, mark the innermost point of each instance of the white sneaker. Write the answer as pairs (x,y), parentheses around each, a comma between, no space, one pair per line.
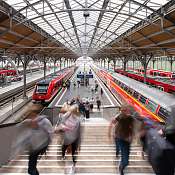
(72,170)
(63,158)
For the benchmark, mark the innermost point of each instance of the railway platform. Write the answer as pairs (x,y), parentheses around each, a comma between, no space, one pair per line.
(30,77)
(13,105)
(97,153)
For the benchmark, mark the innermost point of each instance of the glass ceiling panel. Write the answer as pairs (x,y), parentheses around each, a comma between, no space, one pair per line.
(97,29)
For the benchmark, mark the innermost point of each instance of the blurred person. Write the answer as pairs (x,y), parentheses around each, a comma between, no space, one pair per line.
(82,108)
(71,127)
(98,103)
(74,84)
(73,101)
(68,83)
(78,83)
(64,84)
(122,125)
(96,87)
(87,109)
(146,124)
(92,91)
(101,91)
(86,82)
(65,107)
(38,138)
(161,146)
(77,100)
(91,107)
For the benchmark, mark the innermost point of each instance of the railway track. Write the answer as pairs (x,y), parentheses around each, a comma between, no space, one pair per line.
(15,95)
(17,92)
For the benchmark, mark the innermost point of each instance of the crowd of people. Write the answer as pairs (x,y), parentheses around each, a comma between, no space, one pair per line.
(122,130)
(158,142)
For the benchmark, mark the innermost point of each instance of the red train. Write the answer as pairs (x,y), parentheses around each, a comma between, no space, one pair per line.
(11,72)
(162,73)
(155,72)
(149,102)
(164,85)
(46,89)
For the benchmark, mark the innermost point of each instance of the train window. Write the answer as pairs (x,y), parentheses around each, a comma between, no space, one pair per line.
(119,83)
(142,99)
(130,91)
(151,106)
(125,87)
(115,81)
(136,94)
(41,89)
(163,113)
(122,85)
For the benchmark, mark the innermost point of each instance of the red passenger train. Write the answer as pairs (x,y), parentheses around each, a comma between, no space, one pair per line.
(46,89)
(11,72)
(149,102)
(163,84)
(156,72)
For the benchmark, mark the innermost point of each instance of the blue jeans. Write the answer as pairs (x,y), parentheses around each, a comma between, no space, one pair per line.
(123,147)
(33,157)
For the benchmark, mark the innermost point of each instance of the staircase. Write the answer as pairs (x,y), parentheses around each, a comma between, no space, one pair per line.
(97,155)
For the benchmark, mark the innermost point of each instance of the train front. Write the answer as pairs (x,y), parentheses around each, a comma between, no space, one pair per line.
(40,93)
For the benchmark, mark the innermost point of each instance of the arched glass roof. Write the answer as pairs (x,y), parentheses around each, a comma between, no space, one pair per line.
(86,26)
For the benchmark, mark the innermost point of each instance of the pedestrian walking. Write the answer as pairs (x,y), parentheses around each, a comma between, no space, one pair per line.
(74,84)
(96,87)
(71,126)
(87,110)
(36,137)
(101,91)
(123,127)
(98,103)
(82,108)
(78,83)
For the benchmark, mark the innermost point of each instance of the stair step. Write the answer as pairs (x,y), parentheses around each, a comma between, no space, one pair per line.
(80,156)
(83,162)
(79,168)
(96,156)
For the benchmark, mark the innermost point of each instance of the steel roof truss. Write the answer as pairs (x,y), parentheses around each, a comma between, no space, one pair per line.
(72,20)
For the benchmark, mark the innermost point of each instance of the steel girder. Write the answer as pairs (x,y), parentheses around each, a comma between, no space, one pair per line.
(72,21)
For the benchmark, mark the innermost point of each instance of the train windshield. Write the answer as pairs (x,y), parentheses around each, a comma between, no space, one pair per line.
(41,89)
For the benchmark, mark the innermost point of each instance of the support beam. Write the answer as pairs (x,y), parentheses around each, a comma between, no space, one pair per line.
(145,61)
(25,60)
(45,67)
(72,21)
(104,6)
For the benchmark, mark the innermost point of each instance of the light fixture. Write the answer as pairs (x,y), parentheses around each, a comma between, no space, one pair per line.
(86,14)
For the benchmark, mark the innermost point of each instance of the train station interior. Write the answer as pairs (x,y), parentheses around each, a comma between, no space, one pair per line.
(87,87)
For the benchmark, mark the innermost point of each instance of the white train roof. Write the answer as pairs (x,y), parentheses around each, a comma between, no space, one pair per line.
(164,99)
